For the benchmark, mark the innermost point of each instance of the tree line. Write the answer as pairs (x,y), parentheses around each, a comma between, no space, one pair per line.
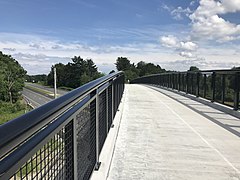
(12,76)
(133,71)
(75,73)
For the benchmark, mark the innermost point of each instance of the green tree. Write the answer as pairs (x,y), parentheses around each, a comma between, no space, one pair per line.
(193,68)
(75,73)
(133,71)
(123,64)
(148,68)
(40,78)
(61,75)
(11,78)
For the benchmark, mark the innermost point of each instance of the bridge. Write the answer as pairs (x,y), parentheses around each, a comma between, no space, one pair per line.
(165,126)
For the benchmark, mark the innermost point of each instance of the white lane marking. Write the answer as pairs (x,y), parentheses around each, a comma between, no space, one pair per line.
(203,139)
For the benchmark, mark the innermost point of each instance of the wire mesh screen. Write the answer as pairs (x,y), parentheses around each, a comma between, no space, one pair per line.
(115,97)
(102,119)
(53,161)
(86,141)
(109,106)
(65,142)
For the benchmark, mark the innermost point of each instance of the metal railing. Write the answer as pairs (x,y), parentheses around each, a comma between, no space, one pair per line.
(62,139)
(220,86)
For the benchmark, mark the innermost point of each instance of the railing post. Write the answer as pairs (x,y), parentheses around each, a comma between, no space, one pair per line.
(184,82)
(213,86)
(97,132)
(164,80)
(112,102)
(168,81)
(179,81)
(204,85)
(187,83)
(236,91)
(175,83)
(198,79)
(106,109)
(192,83)
(223,87)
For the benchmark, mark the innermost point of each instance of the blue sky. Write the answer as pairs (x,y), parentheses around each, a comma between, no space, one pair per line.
(174,34)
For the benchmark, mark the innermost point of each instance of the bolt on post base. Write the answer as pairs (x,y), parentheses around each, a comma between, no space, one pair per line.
(97,166)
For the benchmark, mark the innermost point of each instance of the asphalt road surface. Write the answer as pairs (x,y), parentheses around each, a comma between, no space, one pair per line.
(35,99)
(60,92)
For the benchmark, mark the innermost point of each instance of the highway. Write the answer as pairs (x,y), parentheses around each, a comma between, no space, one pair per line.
(35,99)
(59,91)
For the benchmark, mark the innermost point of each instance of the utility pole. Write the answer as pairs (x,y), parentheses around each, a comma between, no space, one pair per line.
(55,81)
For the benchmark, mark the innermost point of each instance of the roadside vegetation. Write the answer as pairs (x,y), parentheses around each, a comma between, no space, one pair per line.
(12,76)
(75,73)
(140,69)
(10,111)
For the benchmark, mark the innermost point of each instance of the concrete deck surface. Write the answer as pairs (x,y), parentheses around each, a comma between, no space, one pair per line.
(160,138)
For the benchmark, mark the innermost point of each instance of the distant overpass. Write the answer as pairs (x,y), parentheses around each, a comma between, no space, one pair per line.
(166,126)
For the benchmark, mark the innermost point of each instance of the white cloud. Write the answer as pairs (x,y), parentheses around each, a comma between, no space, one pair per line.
(186,54)
(37,54)
(231,5)
(179,12)
(206,22)
(173,42)
(164,6)
(169,41)
(201,63)
(37,46)
(189,46)
(192,3)
(184,48)
(38,61)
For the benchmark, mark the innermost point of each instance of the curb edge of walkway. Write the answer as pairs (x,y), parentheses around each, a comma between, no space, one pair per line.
(107,152)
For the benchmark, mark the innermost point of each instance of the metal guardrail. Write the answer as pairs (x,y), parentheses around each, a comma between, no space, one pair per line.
(220,86)
(62,139)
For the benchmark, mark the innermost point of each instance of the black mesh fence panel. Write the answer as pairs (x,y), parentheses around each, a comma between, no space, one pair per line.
(53,161)
(102,119)
(109,106)
(86,141)
(65,146)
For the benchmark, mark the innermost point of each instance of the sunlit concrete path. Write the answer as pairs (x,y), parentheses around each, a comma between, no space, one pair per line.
(161,138)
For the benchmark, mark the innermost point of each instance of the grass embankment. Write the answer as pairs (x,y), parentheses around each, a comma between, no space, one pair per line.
(46,92)
(61,87)
(66,88)
(10,111)
(40,91)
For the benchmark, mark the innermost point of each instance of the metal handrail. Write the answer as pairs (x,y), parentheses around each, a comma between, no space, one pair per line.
(23,137)
(218,71)
(183,81)
(21,127)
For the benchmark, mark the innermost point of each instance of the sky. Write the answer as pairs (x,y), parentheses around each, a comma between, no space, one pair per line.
(174,34)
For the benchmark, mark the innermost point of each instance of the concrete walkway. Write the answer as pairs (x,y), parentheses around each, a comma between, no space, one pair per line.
(160,138)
